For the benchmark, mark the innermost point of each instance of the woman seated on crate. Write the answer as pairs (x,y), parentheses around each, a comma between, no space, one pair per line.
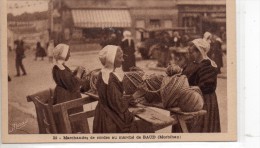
(67,83)
(202,72)
(112,114)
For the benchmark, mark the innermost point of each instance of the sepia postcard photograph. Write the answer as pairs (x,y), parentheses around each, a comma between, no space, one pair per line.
(118,71)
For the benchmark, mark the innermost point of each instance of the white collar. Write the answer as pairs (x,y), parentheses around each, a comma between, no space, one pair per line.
(60,65)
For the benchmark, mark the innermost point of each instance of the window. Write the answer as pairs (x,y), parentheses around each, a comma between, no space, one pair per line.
(155,23)
(168,23)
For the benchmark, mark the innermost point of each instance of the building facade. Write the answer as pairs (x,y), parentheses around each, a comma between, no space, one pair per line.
(92,18)
(28,31)
(203,15)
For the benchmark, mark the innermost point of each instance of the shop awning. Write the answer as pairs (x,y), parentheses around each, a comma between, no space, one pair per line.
(101,18)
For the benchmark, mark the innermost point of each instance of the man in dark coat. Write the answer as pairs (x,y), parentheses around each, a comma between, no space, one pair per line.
(19,57)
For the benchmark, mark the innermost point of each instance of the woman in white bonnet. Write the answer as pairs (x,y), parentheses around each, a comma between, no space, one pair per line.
(111,113)
(67,83)
(203,73)
(128,47)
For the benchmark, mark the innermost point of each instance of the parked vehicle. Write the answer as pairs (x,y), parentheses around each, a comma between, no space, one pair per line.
(150,38)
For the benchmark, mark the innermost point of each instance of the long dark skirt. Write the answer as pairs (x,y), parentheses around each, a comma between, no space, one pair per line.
(105,121)
(129,61)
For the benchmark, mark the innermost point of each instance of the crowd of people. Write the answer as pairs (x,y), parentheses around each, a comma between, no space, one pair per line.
(171,47)
(111,113)
(198,64)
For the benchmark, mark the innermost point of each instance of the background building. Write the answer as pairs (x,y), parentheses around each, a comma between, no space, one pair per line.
(91,19)
(203,15)
(29,27)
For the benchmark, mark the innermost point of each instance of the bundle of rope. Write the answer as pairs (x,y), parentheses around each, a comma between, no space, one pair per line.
(93,80)
(152,90)
(192,100)
(176,92)
(131,81)
(173,69)
(148,84)
(172,90)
